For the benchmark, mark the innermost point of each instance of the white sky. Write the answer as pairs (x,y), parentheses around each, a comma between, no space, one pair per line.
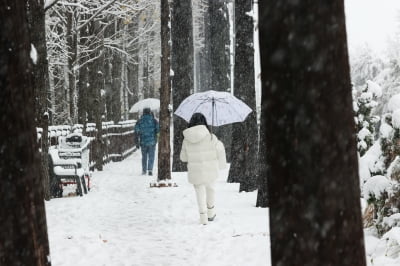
(371,22)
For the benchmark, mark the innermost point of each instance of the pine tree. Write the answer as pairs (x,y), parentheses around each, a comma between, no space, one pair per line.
(365,121)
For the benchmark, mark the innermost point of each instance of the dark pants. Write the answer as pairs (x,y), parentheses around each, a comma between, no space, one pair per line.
(147,157)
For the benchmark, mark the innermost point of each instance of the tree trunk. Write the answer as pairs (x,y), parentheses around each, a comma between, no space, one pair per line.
(217,46)
(72,44)
(37,32)
(133,69)
(182,65)
(314,193)
(83,82)
(244,165)
(262,193)
(83,94)
(164,149)
(116,82)
(23,234)
(96,86)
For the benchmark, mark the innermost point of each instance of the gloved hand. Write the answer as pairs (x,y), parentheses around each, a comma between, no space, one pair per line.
(137,146)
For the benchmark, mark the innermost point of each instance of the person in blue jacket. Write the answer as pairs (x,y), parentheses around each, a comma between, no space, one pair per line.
(146,131)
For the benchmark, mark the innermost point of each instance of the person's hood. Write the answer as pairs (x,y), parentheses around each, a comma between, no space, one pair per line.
(196,134)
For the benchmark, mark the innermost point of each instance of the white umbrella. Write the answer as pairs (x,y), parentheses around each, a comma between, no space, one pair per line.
(219,108)
(152,103)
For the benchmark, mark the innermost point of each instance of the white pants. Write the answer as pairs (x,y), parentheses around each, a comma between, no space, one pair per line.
(205,195)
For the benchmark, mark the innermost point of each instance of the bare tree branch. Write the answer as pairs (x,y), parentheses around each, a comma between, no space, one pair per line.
(95,14)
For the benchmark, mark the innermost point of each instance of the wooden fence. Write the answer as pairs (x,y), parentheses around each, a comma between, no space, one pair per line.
(117,141)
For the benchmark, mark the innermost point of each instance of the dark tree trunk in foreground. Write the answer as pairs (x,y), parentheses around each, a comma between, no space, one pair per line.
(315,214)
(182,65)
(37,33)
(23,234)
(244,165)
(164,147)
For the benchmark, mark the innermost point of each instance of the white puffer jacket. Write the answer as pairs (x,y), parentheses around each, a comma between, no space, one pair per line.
(204,153)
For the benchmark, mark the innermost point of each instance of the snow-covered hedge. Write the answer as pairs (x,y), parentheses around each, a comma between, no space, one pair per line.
(380,172)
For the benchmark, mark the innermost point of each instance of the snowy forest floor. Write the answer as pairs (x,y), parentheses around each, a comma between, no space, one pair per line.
(122,221)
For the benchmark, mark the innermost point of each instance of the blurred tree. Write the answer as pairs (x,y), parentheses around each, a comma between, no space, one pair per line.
(313,186)
(23,234)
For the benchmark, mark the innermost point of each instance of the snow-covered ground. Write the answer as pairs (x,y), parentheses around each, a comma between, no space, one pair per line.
(122,221)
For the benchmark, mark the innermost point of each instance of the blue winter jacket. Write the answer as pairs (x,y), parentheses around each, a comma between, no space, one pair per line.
(147,129)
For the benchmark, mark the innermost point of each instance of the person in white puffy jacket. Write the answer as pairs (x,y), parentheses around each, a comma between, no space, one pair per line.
(205,156)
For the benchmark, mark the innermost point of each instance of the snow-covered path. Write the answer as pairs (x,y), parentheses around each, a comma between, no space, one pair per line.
(122,221)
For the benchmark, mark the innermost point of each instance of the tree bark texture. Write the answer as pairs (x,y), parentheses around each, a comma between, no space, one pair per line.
(164,147)
(83,102)
(23,234)
(37,32)
(72,43)
(262,180)
(217,46)
(115,87)
(182,65)
(96,86)
(315,214)
(244,165)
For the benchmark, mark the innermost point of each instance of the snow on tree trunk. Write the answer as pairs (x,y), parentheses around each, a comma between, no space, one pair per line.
(23,234)
(164,147)
(313,186)
(182,65)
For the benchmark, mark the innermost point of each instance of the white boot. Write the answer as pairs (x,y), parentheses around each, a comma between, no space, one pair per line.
(203,218)
(211,213)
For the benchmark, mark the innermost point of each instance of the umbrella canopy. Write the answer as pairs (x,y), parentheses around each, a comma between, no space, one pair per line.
(152,103)
(219,107)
